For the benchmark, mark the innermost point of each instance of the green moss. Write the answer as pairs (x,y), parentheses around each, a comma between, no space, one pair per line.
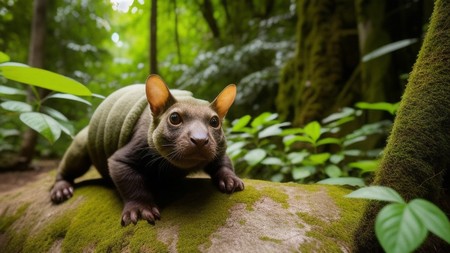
(198,215)
(93,221)
(270,239)
(249,198)
(46,237)
(331,232)
(277,195)
(7,220)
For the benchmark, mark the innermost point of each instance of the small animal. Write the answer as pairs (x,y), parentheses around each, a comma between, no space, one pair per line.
(141,136)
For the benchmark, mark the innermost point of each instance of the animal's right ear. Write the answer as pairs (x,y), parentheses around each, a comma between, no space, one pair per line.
(158,95)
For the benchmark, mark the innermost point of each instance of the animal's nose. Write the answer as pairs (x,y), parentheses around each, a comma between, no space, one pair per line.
(199,140)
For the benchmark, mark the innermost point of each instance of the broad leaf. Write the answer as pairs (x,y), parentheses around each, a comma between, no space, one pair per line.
(432,218)
(384,106)
(289,140)
(54,113)
(43,78)
(333,171)
(240,123)
(388,48)
(353,181)
(67,127)
(272,161)
(255,156)
(11,91)
(263,118)
(365,165)
(313,129)
(398,229)
(236,146)
(319,158)
(344,113)
(329,140)
(301,172)
(4,57)
(16,106)
(69,97)
(273,130)
(297,157)
(377,193)
(43,124)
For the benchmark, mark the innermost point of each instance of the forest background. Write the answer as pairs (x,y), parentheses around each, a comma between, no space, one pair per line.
(298,61)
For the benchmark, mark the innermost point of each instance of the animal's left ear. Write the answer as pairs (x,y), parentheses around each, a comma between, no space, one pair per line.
(158,95)
(224,100)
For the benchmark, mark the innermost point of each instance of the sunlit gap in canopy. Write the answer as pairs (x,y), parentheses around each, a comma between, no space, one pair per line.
(124,5)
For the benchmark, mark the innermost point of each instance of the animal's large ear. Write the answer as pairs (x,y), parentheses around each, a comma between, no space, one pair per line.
(224,100)
(158,95)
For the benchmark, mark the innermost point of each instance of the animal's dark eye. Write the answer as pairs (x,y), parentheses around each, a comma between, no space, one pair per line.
(175,118)
(214,122)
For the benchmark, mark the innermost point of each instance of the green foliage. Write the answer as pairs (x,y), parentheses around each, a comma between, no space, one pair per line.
(391,47)
(264,147)
(45,120)
(401,226)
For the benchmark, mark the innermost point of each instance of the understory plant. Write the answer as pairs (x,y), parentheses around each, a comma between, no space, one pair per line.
(401,226)
(35,113)
(266,148)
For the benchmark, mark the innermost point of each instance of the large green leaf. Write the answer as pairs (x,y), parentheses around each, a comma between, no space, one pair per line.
(377,193)
(388,48)
(240,123)
(263,118)
(16,106)
(432,217)
(383,106)
(273,130)
(11,91)
(69,97)
(313,129)
(43,124)
(43,78)
(255,156)
(365,165)
(4,57)
(398,229)
(302,172)
(354,181)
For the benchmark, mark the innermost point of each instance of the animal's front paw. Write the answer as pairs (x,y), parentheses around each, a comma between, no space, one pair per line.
(61,191)
(229,183)
(133,211)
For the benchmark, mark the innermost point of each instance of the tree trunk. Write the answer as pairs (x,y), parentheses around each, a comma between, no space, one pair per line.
(35,59)
(208,13)
(324,61)
(153,38)
(177,34)
(417,161)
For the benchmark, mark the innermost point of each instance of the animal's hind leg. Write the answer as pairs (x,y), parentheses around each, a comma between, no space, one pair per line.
(75,163)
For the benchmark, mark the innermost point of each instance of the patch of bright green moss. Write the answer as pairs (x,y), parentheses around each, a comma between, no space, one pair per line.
(46,237)
(270,239)
(331,232)
(276,195)
(7,220)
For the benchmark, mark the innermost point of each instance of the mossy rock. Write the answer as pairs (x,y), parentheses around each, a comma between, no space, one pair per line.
(196,217)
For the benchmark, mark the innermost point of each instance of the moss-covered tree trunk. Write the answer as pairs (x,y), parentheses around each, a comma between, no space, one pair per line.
(376,74)
(417,158)
(323,61)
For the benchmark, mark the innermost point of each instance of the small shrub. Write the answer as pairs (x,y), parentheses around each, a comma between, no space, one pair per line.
(266,148)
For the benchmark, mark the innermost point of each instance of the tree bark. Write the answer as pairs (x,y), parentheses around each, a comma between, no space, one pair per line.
(208,13)
(153,38)
(35,59)
(323,61)
(177,34)
(417,161)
